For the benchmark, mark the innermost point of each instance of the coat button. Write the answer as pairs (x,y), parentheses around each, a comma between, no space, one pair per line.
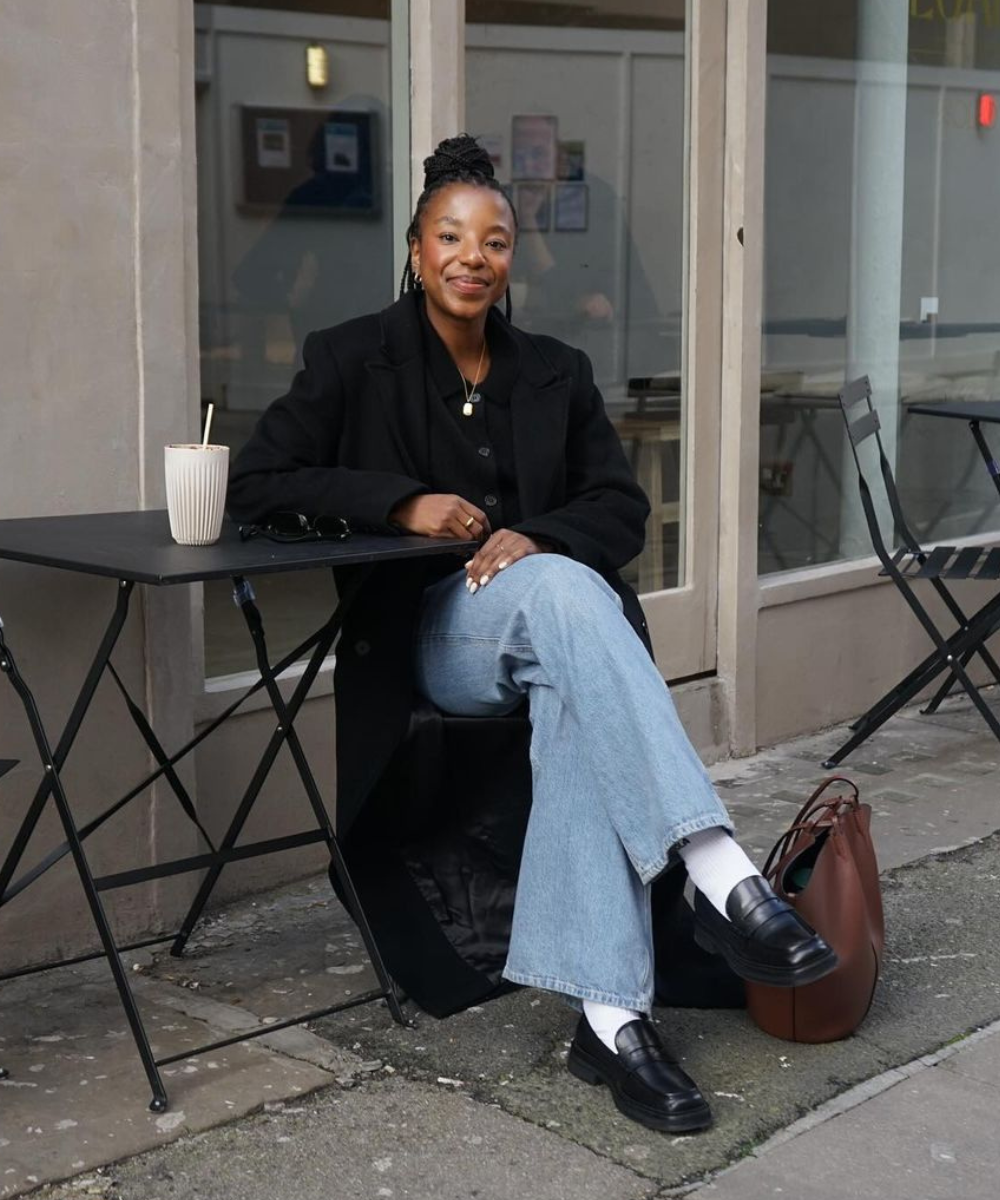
(361,649)
(485,451)
(489,500)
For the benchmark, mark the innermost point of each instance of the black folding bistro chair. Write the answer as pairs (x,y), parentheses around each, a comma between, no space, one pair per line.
(911,561)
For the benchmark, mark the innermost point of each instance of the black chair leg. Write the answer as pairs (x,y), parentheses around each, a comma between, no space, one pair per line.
(975,695)
(946,688)
(951,656)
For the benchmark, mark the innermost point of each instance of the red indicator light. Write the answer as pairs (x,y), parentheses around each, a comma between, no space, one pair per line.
(986,111)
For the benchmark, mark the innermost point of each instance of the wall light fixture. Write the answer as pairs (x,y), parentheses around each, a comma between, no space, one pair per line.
(317,66)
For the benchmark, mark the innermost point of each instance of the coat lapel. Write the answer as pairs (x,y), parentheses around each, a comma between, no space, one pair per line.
(398,374)
(539,403)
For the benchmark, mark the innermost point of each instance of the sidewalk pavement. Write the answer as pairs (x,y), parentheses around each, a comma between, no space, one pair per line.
(481,1105)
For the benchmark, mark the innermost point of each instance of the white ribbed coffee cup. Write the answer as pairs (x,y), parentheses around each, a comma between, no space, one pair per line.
(196,478)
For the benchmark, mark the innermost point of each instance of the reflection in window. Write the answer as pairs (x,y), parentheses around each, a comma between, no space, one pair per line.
(295,230)
(584,116)
(880,258)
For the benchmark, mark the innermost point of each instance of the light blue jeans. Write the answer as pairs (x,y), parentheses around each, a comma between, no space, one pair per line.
(615,782)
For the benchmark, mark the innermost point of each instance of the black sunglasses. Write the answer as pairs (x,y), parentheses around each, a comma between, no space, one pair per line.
(297,527)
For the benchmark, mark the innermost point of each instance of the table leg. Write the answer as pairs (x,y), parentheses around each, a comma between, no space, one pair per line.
(278,737)
(286,733)
(991,463)
(53,786)
(76,716)
(253,618)
(59,852)
(162,758)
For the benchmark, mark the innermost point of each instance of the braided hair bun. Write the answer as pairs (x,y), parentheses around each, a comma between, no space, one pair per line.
(458,159)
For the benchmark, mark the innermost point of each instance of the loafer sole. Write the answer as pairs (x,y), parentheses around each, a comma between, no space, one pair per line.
(747,967)
(584,1067)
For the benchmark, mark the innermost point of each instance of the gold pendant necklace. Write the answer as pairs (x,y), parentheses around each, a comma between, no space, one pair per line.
(472,397)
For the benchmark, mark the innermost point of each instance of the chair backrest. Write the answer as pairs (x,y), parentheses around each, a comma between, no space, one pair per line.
(862,422)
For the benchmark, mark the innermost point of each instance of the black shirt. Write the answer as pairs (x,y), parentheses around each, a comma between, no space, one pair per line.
(483,443)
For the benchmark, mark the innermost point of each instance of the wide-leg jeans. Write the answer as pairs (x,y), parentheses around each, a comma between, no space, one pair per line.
(616,784)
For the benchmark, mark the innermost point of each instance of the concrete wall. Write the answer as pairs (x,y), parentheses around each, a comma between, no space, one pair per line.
(97,335)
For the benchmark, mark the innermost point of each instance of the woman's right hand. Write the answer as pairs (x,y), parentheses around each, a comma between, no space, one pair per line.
(442,516)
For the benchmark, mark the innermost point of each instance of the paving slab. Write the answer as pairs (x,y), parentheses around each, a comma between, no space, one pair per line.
(982,1063)
(931,781)
(291,951)
(392,1139)
(77,1096)
(933,1136)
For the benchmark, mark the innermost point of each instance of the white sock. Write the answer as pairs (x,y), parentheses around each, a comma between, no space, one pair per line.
(716,863)
(605,1020)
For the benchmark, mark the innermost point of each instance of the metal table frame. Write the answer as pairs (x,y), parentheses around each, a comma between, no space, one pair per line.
(136,548)
(976,412)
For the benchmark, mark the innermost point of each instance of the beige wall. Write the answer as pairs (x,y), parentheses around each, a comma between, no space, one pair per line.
(97,335)
(822,660)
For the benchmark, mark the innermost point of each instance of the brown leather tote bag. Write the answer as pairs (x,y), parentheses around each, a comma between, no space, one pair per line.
(824,865)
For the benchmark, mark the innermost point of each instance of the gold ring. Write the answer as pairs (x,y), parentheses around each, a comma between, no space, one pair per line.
(470,522)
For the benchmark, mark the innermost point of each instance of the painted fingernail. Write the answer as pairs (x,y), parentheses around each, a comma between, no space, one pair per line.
(473,588)
(500,566)
(483,580)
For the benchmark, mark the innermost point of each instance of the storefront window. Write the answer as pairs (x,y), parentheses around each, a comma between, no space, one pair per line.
(582,108)
(294,230)
(882,181)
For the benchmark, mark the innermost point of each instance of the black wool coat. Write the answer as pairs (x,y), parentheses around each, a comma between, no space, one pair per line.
(436,869)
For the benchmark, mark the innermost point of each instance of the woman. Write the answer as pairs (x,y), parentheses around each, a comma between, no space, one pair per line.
(438,417)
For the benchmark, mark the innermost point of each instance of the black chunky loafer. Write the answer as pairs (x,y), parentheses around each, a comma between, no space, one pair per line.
(646,1082)
(765,940)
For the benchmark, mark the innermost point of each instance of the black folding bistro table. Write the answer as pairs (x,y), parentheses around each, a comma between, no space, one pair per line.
(136,547)
(976,412)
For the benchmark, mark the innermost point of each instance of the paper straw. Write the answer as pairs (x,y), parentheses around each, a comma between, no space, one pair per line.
(208,423)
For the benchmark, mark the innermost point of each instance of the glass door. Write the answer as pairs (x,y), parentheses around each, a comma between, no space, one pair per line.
(605,123)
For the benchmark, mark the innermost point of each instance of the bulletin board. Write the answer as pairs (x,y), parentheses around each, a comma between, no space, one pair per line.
(308,161)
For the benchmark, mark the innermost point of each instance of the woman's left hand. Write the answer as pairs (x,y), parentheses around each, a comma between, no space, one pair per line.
(499,552)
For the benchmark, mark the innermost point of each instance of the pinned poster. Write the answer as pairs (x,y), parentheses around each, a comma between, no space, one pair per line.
(572,156)
(343,154)
(274,143)
(533,147)
(571,203)
(308,160)
(534,207)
